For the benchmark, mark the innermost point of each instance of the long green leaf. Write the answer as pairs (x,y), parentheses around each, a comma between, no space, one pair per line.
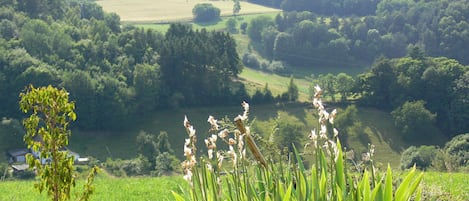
(287,195)
(388,185)
(403,187)
(366,187)
(413,187)
(177,197)
(340,172)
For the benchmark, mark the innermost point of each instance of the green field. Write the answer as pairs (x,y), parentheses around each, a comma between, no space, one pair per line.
(164,11)
(106,189)
(446,186)
(436,186)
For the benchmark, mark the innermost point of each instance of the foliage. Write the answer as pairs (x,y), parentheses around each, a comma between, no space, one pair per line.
(350,32)
(288,179)
(251,60)
(236,7)
(257,25)
(231,25)
(288,133)
(420,157)
(109,68)
(391,83)
(292,91)
(205,12)
(47,133)
(459,147)
(413,119)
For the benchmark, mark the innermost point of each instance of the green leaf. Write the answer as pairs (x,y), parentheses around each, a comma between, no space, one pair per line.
(177,197)
(340,172)
(388,185)
(287,194)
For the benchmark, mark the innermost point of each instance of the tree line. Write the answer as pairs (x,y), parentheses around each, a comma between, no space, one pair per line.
(303,37)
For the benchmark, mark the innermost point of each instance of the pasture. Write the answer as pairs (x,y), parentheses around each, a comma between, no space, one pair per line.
(164,11)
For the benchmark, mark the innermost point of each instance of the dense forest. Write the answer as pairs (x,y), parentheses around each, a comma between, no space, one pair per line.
(334,33)
(113,72)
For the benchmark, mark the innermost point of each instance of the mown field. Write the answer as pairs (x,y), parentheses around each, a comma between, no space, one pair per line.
(163,11)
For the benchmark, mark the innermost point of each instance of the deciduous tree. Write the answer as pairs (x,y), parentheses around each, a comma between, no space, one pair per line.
(47,133)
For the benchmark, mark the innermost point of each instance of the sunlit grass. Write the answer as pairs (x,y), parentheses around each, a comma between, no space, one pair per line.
(447,186)
(106,188)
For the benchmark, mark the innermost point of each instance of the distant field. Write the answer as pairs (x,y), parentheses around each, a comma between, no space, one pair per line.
(161,11)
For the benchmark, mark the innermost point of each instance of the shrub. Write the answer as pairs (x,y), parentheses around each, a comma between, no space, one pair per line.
(231,25)
(422,157)
(279,68)
(251,60)
(458,147)
(166,163)
(122,168)
(205,12)
(243,27)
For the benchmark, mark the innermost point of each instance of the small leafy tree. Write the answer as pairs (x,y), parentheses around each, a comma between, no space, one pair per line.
(292,93)
(236,7)
(413,119)
(47,133)
(231,25)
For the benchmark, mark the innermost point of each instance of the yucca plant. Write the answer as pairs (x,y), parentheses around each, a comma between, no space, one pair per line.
(242,179)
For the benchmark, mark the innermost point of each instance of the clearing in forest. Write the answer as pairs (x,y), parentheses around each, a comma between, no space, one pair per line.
(162,11)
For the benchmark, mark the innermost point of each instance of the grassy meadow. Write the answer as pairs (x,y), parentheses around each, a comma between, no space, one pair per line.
(436,186)
(164,11)
(376,125)
(106,188)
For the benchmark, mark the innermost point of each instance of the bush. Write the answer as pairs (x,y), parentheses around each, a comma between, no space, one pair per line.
(243,27)
(458,148)
(122,168)
(250,60)
(231,25)
(279,68)
(422,157)
(205,12)
(166,163)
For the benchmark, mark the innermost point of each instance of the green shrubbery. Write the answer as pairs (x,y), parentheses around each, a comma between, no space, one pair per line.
(420,157)
(454,156)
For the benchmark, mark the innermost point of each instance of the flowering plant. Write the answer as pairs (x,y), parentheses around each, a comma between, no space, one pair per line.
(327,179)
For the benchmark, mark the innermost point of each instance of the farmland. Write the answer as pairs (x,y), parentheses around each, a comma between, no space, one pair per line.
(163,11)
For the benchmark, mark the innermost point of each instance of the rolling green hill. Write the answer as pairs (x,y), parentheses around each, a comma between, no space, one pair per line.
(377,126)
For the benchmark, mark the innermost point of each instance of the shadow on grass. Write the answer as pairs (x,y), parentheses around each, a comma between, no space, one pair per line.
(209,23)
